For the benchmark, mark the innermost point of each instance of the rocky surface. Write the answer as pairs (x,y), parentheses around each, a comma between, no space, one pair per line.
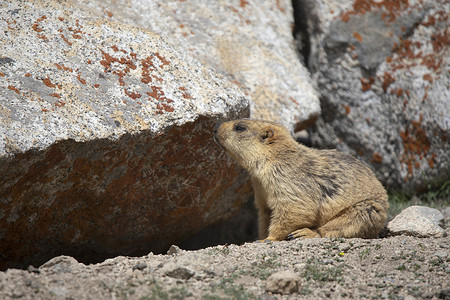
(390,268)
(418,221)
(250,42)
(106,138)
(382,71)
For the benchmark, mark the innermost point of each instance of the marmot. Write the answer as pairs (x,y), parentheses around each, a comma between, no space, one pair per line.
(304,192)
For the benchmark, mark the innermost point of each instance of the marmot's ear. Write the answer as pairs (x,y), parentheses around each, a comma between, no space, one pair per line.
(267,135)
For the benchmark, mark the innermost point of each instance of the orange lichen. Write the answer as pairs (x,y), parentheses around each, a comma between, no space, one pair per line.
(27,75)
(162,59)
(156,93)
(428,78)
(80,79)
(366,83)
(390,9)
(48,83)
(42,37)
(243,3)
(65,39)
(357,36)
(120,63)
(60,103)
(35,25)
(56,95)
(185,94)
(415,144)
(387,81)
(62,67)
(293,100)
(377,158)
(347,109)
(132,95)
(13,88)
(432,160)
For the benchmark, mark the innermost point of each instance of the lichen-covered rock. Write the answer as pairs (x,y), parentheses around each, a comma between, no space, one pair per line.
(382,71)
(250,42)
(105,138)
(418,221)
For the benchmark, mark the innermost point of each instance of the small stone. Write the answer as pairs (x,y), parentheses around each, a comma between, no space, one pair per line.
(283,282)
(176,271)
(60,264)
(344,247)
(300,266)
(441,254)
(420,221)
(173,250)
(140,266)
(32,269)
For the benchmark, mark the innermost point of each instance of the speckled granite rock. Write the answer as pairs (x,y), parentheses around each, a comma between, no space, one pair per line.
(250,42)
(105,138)
(382,72)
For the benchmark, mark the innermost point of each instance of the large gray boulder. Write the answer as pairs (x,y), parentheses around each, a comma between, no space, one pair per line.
(250,42)
(382,71)
(106,138)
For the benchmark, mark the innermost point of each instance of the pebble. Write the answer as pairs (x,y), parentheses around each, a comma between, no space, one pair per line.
(176,271)
(60,264)
(344,247)
(173,250)
(300,266)
(140,266)
(441,254)
(283,282)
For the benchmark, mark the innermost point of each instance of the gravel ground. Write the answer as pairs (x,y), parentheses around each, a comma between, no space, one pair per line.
(400,267)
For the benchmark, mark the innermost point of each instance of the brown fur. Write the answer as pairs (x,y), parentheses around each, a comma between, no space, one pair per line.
(304,192)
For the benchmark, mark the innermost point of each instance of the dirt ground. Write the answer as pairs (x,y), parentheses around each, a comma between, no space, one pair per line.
(400,267)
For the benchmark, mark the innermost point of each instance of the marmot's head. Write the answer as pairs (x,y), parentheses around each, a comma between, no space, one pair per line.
(253,142)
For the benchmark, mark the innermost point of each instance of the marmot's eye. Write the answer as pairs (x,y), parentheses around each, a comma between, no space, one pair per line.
(239,128)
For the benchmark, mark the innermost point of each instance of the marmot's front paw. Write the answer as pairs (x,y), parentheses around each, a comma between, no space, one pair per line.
(302,233)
